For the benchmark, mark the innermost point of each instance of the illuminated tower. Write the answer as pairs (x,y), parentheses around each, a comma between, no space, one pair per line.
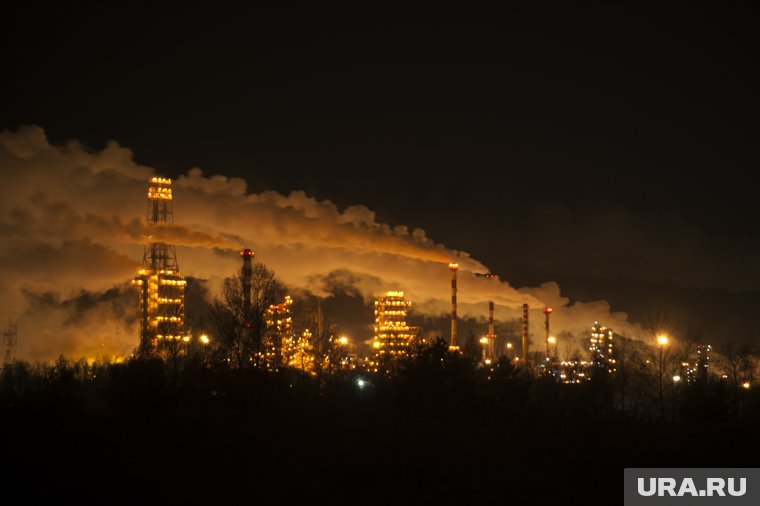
(393,337)
(602,348)
(162,287)
(454,267)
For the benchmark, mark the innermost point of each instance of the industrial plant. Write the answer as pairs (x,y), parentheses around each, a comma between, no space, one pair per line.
(275,338)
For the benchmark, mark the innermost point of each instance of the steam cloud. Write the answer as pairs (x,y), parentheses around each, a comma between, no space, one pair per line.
(73,228)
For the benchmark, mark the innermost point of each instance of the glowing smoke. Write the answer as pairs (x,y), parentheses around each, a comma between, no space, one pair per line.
(72,227)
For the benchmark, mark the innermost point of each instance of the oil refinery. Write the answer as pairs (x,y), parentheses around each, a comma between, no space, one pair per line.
(277,338)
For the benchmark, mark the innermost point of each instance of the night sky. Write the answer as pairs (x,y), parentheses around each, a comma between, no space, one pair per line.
(609,148)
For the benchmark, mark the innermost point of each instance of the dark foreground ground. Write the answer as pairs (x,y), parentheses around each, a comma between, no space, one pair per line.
(263,441)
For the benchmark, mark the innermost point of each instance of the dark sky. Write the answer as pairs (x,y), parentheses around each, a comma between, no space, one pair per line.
(608,147)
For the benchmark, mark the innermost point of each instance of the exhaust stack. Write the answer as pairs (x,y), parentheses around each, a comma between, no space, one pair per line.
(525,334)
(246,277)
(491,332)
(547,312)
(454,267)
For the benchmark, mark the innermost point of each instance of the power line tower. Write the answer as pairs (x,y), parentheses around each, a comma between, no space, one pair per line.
(162,287)
(10,340)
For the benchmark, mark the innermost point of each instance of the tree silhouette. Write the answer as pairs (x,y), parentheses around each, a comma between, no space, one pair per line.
(240,329)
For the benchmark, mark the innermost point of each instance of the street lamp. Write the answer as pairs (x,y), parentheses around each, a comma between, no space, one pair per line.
(484,342)
(662,341)
(553,341)
(676,381)
(204,343)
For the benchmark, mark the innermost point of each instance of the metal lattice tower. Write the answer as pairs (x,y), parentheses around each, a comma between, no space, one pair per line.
(162,296)
(159,255)
(10,340)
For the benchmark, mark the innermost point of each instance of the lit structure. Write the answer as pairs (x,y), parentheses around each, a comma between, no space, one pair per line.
(279,347)
(703,361)
(454,267)
(695,370)
(393,336)
(602,348)
(573,371)
(301,352)
(162,286)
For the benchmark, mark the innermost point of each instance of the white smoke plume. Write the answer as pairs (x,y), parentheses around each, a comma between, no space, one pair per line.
(72,224)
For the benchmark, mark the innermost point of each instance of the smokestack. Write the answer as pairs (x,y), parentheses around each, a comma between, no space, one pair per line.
(525,334)
(246,275)
(547,312)
(320,321)
(454,268)
(491,333)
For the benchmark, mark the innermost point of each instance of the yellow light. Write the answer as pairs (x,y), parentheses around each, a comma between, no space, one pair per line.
(483,340)
(205,339)
(746,385)
(343,340)
(676,378)
(509,346)
(186,339)
(376,344)
(662,340)
(453,266)
(552,340)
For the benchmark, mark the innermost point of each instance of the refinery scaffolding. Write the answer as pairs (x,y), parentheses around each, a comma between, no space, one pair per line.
(393,336)
(162,287)
(602,348)
(279,345)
